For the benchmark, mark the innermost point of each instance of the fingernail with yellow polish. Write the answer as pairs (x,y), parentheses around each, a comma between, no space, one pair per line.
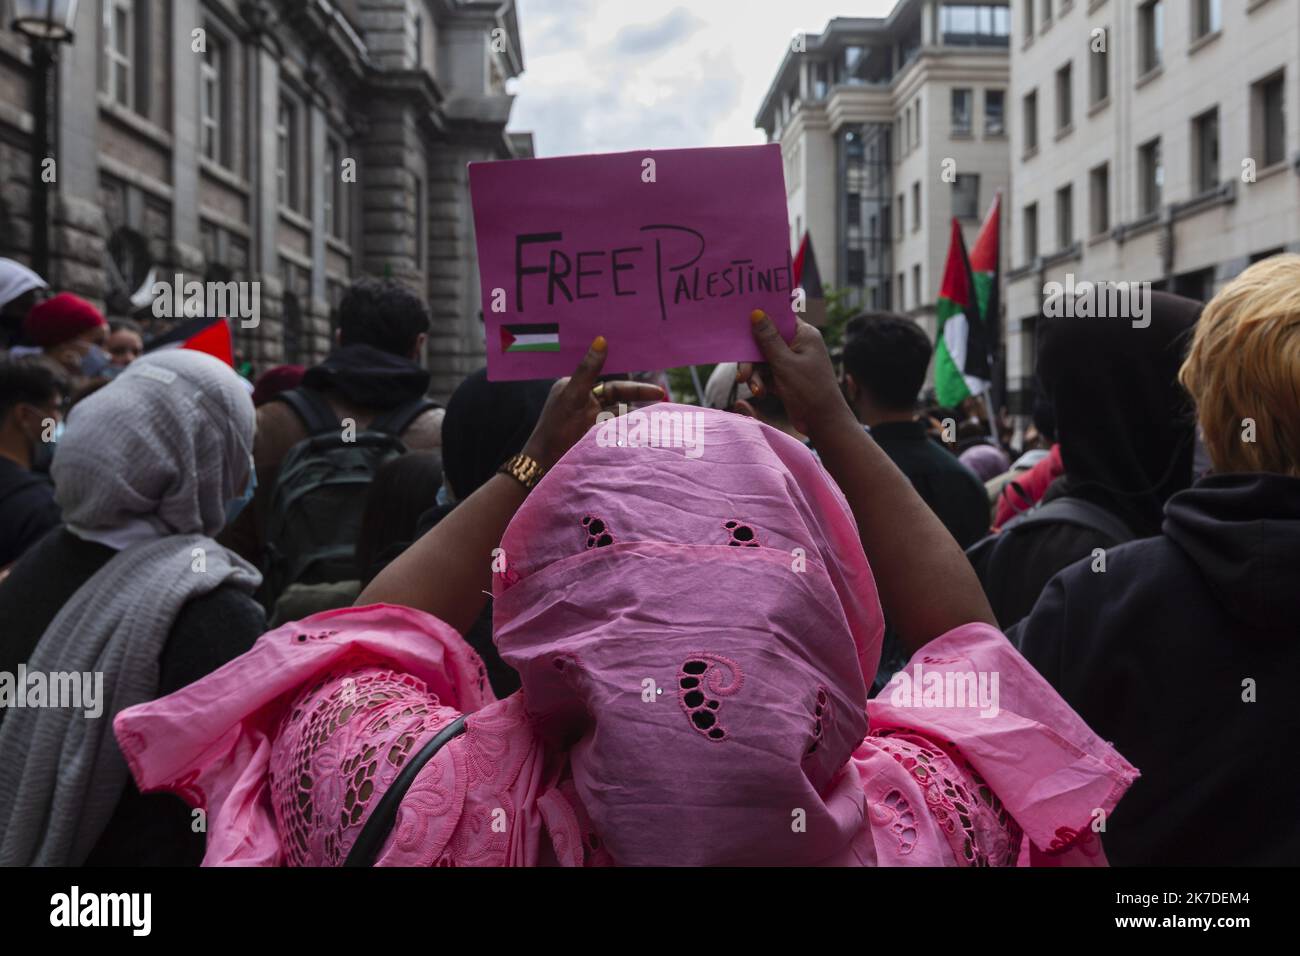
(757,316)
(599,344)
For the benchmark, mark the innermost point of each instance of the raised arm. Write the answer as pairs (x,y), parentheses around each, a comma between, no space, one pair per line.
(448,572)
(926,585)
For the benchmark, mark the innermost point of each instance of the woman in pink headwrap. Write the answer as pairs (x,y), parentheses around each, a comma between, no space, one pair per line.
(695,624)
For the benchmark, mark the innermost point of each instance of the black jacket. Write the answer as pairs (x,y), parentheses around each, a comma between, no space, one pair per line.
(1015,570)
(1157,655)
(952,490)
(27,509)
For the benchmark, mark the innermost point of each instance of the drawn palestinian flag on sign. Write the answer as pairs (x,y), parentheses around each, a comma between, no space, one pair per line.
(537,337)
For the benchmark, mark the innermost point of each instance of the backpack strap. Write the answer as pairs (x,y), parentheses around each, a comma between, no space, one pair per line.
(310,406)
(397,420)
(1075,511)
(380,823)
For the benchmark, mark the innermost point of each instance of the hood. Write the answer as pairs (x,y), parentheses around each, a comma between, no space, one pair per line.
(486,423)
(1243,532)
(368,377)
(697,632)
(1125,425)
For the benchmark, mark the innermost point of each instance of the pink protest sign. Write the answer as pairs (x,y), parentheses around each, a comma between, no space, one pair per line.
(663,252)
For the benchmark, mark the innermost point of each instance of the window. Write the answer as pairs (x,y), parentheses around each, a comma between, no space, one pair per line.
(820,84)
(908,116)
(1031,121)
(288,155)
(1064,97)
(901,228)
(966,197)
(1099,197)
(1047,11)
(994,106)
(961,112)
(1207,17)
(1152,177)
(119,51)
(916,205)
(1030,219)
(918,122)
(213,98)
(974,25)
(851,65)
(857,267)
(1029,19)
(420,228)
(1065,217)
(916,286)
(1268,120)
(1151,35)
(1099,78)
(854,209)
(902,289)
(1205,161)
(334,192)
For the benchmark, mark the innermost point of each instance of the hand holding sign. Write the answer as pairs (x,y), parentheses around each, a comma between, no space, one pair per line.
(800,374)
(578,246)
(571,408)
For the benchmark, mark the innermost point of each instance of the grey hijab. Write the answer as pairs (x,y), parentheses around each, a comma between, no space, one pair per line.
(151,458)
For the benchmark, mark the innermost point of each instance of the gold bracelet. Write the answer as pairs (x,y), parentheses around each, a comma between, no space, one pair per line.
(524,469)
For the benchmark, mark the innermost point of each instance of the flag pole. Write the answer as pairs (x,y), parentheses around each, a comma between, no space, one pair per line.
(695,381)
(987,395)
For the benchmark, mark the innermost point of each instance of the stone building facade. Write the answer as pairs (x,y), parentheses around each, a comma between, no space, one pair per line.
(298,144)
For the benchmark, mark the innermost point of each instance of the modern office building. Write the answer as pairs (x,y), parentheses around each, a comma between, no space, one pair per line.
(293,143)
(889,127)
(1152,141)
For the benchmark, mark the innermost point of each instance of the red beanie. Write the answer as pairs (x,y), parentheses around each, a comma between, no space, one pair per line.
(60,319)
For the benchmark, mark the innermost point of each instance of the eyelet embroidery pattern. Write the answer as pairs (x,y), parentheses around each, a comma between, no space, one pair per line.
(384,715)
(976,825)
(894,811)
(822,717)
(742,535)
(598,535)
(303,638)
(699,677)
(1067,839)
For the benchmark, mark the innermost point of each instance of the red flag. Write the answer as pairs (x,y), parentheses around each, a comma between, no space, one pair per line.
(211,336)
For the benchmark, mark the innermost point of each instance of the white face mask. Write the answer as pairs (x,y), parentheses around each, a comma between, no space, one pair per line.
(235,505)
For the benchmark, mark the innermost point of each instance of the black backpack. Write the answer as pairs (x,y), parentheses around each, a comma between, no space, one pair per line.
(319,495)
(1063,510)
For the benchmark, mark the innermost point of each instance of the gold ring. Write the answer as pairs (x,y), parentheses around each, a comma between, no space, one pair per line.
(599,393)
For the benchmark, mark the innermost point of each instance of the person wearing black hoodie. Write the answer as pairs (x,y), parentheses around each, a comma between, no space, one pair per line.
(1127,437)
(1183,653)
(374,369)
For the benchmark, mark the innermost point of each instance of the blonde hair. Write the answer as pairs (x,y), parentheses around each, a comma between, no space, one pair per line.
(1244,367)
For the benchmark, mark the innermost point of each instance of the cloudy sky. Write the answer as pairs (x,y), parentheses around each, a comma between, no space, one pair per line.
(608,75)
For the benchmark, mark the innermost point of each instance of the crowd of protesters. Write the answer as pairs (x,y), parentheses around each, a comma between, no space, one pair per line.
(354,627)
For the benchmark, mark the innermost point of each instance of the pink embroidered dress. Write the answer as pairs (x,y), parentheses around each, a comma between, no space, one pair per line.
(695,636)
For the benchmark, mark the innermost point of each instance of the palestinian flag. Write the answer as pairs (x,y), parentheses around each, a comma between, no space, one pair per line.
(809,278)
(535,337)
(986,269)
(961,362)
(202,335)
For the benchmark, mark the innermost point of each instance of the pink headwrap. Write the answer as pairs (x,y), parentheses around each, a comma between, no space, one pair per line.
(695,637)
